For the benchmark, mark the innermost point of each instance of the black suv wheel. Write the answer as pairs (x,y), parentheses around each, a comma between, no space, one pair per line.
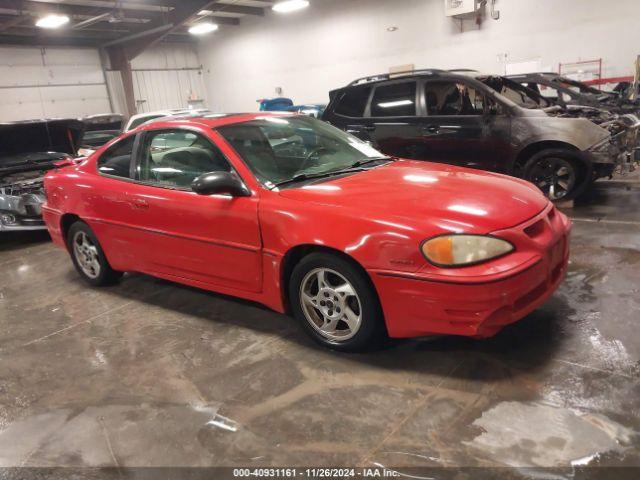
(560,174)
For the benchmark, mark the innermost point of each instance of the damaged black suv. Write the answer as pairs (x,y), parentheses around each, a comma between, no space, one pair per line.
(623,127)
(451,118)
(27,151)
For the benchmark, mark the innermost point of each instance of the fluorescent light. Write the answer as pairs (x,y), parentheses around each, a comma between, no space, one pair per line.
(52,21)
(203,28)
(290,6)
(398,103)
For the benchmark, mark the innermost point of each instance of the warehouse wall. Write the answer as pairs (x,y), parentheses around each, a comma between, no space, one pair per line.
(51,82)
(307,53)
(70,82)
(168,76)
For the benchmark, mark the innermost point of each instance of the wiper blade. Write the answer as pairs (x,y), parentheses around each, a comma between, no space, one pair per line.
(355,167)
(310,176)
(366,161)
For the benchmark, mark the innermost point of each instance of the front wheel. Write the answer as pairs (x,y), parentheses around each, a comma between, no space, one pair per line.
(336,303)
(558,174)
(88,256)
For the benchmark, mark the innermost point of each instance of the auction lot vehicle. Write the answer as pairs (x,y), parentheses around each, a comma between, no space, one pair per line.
(98,130)
(27,151)
(293,213)
(622,127)
(141,118)
(451,118)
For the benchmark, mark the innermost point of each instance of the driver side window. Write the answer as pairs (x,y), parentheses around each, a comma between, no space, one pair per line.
(174,158)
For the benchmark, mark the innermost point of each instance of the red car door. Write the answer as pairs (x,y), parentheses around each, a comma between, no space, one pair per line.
(209,239)
(107,207)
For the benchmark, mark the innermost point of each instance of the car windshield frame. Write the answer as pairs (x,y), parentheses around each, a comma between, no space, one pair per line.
(582,87)
(277,149)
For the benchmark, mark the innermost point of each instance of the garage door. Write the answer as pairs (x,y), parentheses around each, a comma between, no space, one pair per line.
(51,82)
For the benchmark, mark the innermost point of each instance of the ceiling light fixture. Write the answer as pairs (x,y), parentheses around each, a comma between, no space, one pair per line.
(203,28)
(290,6)
(52,21)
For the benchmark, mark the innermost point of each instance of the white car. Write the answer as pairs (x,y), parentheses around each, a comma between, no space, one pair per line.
(140,118)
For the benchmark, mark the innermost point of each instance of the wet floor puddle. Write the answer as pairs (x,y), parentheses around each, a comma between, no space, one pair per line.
(541,435)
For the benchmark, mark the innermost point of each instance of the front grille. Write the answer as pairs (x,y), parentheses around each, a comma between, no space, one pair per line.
(535,230)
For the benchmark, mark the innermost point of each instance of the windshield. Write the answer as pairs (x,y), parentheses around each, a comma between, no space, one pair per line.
(280,149)
(515,92)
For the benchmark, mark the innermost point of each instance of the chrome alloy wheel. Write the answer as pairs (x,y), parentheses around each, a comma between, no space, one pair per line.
(554,176)
(330,304)
(86,254)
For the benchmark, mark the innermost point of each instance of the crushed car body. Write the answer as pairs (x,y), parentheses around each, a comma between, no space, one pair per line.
(27,151)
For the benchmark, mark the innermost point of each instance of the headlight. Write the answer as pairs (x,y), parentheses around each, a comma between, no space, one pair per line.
(463,250)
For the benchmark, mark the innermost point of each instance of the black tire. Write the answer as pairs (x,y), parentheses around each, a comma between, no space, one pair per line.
(371,330)
(542,170)
(104,274)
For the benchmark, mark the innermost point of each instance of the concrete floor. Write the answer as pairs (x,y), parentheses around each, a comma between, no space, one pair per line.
(150,373)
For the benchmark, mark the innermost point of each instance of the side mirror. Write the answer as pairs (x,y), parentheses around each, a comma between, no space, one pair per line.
(220,183)
(493,109)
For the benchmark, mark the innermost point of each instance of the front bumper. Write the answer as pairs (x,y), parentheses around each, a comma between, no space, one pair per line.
(415,305)
(10,222)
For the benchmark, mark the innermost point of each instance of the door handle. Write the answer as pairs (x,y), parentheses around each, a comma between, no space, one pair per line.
(140,204)
(360,128)
(433,129)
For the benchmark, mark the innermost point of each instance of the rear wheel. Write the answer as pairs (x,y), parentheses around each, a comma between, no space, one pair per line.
(559,174)
(88,257)
(336,303)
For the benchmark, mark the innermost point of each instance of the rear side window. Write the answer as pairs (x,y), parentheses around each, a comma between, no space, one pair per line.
(353,102)
(116,160)
(453,98)
(395,100)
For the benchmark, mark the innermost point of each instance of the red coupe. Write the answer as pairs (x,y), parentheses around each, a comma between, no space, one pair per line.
(295,214)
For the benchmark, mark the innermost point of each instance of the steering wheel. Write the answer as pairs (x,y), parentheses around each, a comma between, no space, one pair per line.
(308,159)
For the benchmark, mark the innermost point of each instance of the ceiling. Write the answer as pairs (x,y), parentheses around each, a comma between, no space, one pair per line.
(105,23)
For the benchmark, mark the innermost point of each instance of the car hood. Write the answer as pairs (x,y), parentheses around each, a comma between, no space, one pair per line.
(418,193)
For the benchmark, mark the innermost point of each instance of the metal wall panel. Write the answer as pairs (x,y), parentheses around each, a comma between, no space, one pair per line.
(163,77)
(162,89)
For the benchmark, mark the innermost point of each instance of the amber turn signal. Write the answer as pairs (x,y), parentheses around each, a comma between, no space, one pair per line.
(464,250)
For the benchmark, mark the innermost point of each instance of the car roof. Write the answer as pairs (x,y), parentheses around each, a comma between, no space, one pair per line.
(213,120)
(435,73)
(534,75)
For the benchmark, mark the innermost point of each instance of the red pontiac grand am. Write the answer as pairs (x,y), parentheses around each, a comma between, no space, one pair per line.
(295,214)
